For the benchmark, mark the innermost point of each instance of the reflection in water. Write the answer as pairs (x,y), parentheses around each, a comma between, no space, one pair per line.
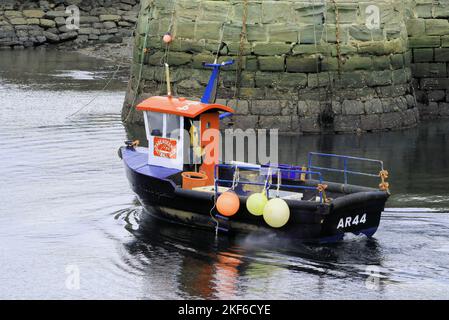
(245,266)
(66,202)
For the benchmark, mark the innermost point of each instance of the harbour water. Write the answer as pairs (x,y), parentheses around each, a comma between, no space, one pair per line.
(68,214)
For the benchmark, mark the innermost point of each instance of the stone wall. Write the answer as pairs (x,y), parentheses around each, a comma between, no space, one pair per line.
(307,66)
(34,23)
(428,29)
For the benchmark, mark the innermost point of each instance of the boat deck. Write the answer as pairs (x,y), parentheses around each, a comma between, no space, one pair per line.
(137,160)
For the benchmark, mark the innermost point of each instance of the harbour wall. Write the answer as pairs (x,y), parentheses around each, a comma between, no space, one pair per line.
(26,24)
(303,66)
(428,30)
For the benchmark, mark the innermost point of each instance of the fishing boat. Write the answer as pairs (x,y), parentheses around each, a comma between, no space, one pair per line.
(236,197)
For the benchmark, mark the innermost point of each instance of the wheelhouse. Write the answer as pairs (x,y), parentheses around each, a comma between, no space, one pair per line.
(183,133)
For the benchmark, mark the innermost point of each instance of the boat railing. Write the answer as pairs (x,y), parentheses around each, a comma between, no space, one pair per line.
(274,171)
(346,170)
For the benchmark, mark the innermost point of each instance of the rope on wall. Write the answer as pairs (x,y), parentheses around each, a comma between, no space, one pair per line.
(337,35)
(238,80)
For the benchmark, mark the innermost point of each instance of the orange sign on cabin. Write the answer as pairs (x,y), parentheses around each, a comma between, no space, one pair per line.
(164,148)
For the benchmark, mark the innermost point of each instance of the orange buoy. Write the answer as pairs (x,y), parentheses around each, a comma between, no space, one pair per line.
(167,38)
(228,203)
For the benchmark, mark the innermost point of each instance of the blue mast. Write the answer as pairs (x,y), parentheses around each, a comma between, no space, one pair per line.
(209,95)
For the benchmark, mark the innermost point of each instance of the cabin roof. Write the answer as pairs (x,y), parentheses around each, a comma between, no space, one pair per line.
(179,106)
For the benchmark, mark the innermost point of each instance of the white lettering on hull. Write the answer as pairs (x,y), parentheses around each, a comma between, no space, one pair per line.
(349,221)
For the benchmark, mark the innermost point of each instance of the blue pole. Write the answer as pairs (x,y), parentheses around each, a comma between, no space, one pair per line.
(211,88)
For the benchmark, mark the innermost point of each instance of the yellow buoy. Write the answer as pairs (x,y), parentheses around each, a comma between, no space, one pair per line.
(256,203)
(276,213)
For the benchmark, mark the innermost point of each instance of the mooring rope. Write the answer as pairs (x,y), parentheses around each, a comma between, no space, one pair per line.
(121,64)
(238,79)
(142,59)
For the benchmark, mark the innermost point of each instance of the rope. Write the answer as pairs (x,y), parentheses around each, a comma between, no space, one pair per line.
(220,43)
(384,186)
(121,64)
(322,189)
(139,77)
(241,48)
(267,181)
(144,51)
(279,174)
(337,35)
(235,178)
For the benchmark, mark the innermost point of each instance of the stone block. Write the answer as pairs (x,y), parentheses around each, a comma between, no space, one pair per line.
(266,107)
(311,34)
(294,80)
(51,37)
(309,124)
(257,33)
(271,49)
(442,54)
(391,120)
(445,41)
(373,106)
(245,121)
(357,63)
(437,27)
(443,109)
(352,107)
(88,19)
(109,17)
(109,25)
(274,11)
(55,14)
(430,70)
(33,13)
(68,35)
(179,58)
(302,65)
(241,107)
(33,21)
(397,61)
(275,63)
(283,33)
(362,33)
(17,21)
(207,30)
(318,80)
(370,122)
(47,23)
(416,27)
(424,42)
(423,55)
(436,95)
(347,123)
(282,123)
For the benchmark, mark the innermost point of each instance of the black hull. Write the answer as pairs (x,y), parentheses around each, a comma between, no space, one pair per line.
(309,221)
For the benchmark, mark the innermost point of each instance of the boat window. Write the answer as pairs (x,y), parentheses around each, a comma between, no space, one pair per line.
(173,126)
(155,123)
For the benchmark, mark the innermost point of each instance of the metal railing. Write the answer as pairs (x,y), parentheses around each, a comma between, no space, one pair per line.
(277,171)
(345,169)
